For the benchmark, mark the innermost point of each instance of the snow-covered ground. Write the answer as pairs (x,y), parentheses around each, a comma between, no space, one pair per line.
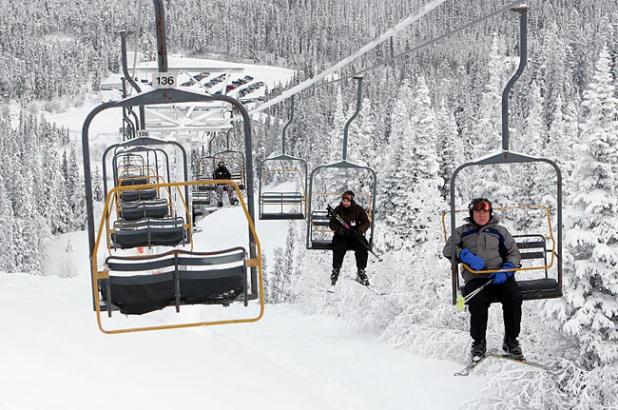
(53,355)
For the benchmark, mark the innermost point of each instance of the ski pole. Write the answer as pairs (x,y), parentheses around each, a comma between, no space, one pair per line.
(461,301)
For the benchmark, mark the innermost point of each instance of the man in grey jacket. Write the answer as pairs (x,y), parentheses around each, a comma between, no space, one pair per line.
(483,244)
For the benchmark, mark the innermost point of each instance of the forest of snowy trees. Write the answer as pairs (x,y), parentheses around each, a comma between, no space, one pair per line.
(422,115)
(41,190)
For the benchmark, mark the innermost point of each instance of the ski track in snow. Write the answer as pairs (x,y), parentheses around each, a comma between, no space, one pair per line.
(286,361)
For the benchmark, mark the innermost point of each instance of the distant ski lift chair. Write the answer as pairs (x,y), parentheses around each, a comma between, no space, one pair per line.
(319,235)
(136,204)
(132,176)
(130,282)
(202,195)
(235,163)
(130,165)
(533,246)
(205,168)
(276,205)
(144,220)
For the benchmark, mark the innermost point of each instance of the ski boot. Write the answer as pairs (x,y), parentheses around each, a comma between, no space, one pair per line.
(512,348)
(478,349)
(219,204)
(361,277)
(334,276)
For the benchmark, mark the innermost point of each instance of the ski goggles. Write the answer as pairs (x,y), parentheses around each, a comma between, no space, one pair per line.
(481,205)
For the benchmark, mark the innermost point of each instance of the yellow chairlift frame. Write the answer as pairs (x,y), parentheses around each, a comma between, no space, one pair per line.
(104,273)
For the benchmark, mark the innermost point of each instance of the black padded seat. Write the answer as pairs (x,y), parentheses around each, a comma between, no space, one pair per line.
(133,181)
(535,289)
(320,218)
(201,198)
(281,216)
(188,278)
(325,244)
(279,199)
(237,177)
(149,232)
(208,187)
(539,289)
(139,195)
(533,247)
(136,295)
(133,211)
(286,198)
(212,286)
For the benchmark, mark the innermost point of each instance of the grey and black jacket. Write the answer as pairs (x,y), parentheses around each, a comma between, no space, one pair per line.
(491,242)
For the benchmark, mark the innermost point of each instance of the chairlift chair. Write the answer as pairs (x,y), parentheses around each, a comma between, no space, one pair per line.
(278,205)
(318,233)
(192,277)
(533,246)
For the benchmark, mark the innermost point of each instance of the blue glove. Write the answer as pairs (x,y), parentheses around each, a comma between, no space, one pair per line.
(470,259)
(500,277)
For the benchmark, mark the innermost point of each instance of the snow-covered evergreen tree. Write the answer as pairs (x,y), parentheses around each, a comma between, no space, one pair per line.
(75,192)
(7,240)
(97,190)
(394,176)
(589,310)
(280,281)
(450,146)
(336,133)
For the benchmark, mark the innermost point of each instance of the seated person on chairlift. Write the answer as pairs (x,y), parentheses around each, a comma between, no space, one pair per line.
(350,239)
(221,172)
(483,244)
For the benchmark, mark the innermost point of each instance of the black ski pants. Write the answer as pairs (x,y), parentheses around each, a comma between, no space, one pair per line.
(342,244)
(508,294)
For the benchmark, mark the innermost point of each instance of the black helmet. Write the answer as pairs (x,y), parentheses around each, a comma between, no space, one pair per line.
(348,195)
(478,204)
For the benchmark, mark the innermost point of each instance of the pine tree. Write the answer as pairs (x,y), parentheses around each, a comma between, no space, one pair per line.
(394,176)
(336,133)
(421,201)
(56,211)
(75,193)
(27,228)
(97,192)
(7,241)
(450,147)
(485,137)
(589,310)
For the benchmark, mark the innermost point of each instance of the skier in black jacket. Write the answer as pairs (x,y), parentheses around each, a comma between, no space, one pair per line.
(344,239)
(221,172)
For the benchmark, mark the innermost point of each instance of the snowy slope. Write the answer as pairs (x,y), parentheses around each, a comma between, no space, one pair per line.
(286,361)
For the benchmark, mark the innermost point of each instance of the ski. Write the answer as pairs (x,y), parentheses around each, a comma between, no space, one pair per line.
(470,366)
(368,287)
(498,355)
(522,360)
